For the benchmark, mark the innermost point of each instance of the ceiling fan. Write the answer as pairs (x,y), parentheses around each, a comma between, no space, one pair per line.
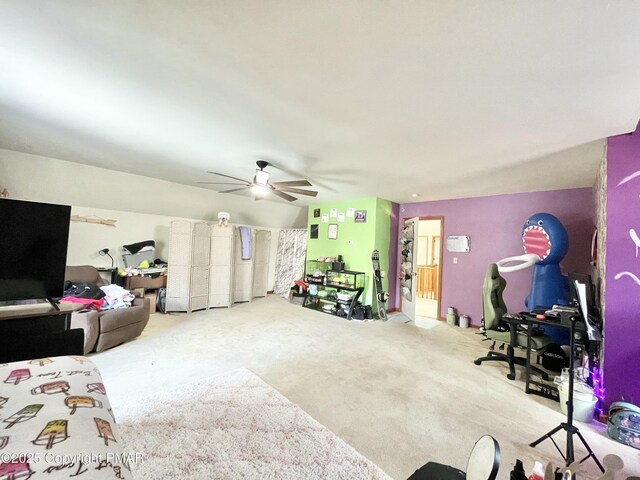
(261,187)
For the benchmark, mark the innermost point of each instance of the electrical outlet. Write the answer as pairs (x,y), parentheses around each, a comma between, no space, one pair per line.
(455,259)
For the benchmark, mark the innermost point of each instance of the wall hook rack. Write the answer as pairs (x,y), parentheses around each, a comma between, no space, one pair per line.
(93,219)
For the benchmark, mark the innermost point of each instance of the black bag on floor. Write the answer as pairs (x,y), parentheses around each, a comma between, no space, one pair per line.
(161,300)
(368,313)
(554,358)
(358,312)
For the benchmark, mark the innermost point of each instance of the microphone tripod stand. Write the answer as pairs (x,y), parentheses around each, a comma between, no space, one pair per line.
(568,426)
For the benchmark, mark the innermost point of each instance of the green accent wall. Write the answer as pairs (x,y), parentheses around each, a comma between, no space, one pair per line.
(356,241)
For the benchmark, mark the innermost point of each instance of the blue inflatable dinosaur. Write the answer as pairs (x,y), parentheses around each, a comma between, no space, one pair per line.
(543,235)
(545,243)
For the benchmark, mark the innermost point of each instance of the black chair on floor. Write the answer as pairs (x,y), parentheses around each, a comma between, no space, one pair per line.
(506,333)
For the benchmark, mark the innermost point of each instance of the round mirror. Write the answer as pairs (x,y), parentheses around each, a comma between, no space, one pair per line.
(484,459)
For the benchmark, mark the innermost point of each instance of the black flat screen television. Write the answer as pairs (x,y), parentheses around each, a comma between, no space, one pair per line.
(33,249)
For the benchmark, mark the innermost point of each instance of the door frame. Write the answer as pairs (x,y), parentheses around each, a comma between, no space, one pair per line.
(441,218)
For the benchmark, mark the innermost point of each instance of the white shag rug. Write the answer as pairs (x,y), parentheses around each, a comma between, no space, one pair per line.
(234,426)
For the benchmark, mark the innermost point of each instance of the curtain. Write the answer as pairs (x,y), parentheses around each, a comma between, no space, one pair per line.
(292,251)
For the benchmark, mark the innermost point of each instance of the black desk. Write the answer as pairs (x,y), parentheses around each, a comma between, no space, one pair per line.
(532,386)
(37,316)
(38,330)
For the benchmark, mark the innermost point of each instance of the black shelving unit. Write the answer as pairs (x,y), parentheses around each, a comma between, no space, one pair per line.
(316,302)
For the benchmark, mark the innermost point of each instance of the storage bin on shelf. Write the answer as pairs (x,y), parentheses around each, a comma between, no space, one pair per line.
(315,279)
(345,279)
(345,296)
(321,265)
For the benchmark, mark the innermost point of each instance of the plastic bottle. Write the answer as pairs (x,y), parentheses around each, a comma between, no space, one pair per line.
(538,472)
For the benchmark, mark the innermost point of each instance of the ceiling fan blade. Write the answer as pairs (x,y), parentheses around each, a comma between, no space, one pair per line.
(228,176)
(299,191)
(218,183)
(234,190)
(284,195)
(292,183)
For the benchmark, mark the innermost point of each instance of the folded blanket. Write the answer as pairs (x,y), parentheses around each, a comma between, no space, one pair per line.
(134,248)
(89,302)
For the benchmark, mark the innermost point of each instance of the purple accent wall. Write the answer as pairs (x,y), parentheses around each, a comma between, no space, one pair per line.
(494,225)
(622,296)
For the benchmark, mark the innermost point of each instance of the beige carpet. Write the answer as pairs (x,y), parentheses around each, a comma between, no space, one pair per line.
(399,394)
(234,426)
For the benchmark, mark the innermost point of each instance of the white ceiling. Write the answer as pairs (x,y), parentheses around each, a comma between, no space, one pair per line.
(442,98)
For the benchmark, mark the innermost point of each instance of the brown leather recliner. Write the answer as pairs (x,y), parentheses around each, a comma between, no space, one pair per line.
(108,328)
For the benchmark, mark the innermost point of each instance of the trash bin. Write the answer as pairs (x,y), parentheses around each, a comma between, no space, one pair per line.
(584,401)
(464,321)
(451,316)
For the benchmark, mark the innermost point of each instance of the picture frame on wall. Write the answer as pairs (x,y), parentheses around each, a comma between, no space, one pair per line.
(360,216)
(333,231)
(316,213)
(315,230)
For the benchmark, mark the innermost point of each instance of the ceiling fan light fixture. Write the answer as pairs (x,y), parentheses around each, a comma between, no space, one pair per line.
(261,178)
(260,191)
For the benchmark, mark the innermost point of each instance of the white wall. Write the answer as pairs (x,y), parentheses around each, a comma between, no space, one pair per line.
(142,206)
(86,239)
(43,179)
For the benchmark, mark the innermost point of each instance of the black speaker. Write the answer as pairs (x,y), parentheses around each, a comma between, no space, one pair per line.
(337,266)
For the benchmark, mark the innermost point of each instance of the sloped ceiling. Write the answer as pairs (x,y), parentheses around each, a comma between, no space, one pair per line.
(443,99)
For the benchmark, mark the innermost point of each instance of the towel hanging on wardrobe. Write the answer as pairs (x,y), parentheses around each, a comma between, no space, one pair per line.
(245,240)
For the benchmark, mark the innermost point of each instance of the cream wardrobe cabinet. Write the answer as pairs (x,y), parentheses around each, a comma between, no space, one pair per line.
(188,276)
(262,252)
(243,267)
(221,266)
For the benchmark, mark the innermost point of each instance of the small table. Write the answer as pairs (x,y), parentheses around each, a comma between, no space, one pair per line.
(112,271)
(145,282)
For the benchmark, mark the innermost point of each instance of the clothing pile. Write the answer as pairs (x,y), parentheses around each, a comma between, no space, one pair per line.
(97,298)
(116,297)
